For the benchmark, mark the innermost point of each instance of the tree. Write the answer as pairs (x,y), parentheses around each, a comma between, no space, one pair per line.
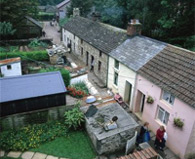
(6,28)
(14,11)
(84,6)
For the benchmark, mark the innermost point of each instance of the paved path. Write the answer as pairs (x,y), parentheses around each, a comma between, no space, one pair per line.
(28,155)
(52,32)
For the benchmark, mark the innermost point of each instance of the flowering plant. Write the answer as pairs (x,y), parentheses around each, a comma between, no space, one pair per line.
(150,100)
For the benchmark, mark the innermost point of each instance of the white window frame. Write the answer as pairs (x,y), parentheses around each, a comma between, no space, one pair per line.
(164,116)
(168,97)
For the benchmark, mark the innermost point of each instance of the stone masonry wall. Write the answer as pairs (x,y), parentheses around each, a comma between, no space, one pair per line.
(80,49)
(110,144)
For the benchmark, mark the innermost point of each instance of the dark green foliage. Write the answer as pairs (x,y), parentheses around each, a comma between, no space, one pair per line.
(14,12)
(34,55)
(191,156)
(84,6)
(6,28)
(44,16)
(36,43)
(65,74)
(168,21)
(31,136)
(81,86)
(49,2)
(178,122)
(74,118)
(64,21)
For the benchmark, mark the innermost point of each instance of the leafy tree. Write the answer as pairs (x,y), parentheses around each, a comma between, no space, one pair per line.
(13,11)
(6,28)
(84,6)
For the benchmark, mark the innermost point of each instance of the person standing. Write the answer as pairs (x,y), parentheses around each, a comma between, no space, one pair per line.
(142,133)
(164,139)
(159,138)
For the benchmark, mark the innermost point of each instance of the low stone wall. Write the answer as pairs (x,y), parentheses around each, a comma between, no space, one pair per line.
(17,121)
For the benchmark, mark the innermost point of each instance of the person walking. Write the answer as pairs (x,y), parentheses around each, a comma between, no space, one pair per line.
(159,138)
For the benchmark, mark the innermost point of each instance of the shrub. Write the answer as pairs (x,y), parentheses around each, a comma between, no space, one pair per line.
(36,43)
(78,90)
(74,118)
(65,74)
(31,136)
(178,122)
(34,55)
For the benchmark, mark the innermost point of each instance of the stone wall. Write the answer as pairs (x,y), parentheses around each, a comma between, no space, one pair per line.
(80,48)
(17,121)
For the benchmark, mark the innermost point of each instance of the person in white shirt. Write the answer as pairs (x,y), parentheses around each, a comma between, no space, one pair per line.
(112,124)
(165,136)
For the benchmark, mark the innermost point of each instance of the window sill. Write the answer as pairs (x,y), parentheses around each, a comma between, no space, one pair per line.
(166,103)
(116,70)
(160,123)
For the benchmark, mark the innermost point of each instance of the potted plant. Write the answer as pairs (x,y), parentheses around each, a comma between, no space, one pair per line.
(178,122)
(150,100)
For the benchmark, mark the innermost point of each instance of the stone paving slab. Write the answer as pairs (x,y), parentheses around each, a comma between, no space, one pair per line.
(2,153)
(38,155)
(14,154)
(27,155)
(51,157)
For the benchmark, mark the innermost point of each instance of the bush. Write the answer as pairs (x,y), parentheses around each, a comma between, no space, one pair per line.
(74,118)
(36,43)
(65,74)
(78,90)
(31,136)
(191,156)
(34,55)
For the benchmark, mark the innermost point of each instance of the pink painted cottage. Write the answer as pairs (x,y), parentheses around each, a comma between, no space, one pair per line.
(165,91)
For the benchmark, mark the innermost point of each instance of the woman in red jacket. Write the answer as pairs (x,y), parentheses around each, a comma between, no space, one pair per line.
(159,138)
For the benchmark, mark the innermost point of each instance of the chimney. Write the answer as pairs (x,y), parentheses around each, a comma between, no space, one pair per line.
(95,16)
(134,27)
(76,12)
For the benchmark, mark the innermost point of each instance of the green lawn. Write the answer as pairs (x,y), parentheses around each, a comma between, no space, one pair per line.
(75,145)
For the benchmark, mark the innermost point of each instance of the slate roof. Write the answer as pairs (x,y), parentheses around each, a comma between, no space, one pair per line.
(99,35)
(29,86)
(137,51)
(9,61)
(62,3)
(34,21)
(173,69)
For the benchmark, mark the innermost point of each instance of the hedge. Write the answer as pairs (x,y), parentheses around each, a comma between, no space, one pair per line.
(34,55)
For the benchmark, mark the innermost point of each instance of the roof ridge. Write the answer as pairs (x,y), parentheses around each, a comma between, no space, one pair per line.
(180,48)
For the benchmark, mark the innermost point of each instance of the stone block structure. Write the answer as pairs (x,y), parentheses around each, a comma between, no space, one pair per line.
(106,142)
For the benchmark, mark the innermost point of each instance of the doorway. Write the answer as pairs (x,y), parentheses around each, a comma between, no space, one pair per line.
(139,104)
(127,95)
(142,103)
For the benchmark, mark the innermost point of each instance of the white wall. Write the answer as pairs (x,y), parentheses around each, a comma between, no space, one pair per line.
(14,71)
(80,78)
(124,74)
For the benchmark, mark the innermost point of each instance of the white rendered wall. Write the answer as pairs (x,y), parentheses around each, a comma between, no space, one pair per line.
(14,71)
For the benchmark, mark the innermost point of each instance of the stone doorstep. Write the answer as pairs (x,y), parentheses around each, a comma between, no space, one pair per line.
(51,157)
(38,155)
(2,153)
(14,154)
(27,155)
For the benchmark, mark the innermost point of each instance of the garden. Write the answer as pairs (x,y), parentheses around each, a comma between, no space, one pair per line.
(65,137)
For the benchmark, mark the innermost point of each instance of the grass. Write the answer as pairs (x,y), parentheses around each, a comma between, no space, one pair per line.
(75,145)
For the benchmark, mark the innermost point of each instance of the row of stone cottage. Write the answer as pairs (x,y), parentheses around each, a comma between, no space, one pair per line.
(156,79)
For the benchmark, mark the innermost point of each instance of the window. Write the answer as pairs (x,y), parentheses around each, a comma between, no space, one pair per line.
(81,41)
(116,64)
(163,115)
(99,65)
(74,36)
(100,54)
(116,78)
(168,97)
(9,67)
(81,51)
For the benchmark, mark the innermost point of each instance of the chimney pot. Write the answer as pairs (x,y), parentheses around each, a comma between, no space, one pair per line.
(76,12)
(134,27)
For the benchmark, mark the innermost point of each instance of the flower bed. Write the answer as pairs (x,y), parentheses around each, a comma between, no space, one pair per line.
(78,90)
